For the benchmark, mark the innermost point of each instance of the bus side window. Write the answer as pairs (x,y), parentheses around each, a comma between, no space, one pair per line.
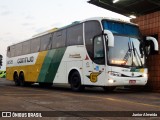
(8,52)
(35,45)
(99,55)
(18,49)
(12,49)
(75,35)
(92,29)
(59,39)
(26,47)
(46,42)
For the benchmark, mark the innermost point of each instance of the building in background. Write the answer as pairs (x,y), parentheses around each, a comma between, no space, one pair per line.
(145,13)
(150,26)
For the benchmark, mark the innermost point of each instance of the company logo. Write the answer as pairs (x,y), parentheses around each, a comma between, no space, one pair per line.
(132,74)
(94,76)
(25,60)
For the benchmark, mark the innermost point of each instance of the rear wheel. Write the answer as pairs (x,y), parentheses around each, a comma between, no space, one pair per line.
(16,79)
(75,82)
(22,79)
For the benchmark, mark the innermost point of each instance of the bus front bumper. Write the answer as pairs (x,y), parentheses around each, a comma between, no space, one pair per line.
(126,81)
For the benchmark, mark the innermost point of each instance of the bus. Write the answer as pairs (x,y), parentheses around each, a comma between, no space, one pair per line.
(101,52)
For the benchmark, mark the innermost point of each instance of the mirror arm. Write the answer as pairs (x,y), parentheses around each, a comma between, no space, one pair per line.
(154,41)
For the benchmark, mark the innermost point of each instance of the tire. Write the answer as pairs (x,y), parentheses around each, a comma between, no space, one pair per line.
(109,88)
(22,80)
(16,79)
(75,82)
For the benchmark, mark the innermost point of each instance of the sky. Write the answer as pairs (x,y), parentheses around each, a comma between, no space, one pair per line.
(22,19)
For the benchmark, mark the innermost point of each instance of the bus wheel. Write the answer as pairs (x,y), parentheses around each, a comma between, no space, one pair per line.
(109,88)
(16,80)
(75,82)
(21,79)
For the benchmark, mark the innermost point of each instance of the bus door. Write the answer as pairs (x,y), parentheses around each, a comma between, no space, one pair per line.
(95,69)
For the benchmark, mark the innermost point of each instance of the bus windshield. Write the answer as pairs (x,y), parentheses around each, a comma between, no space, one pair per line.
(121,28)
(126,52)
(127,45)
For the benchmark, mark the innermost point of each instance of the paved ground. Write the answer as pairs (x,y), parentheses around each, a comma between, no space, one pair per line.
(63,101)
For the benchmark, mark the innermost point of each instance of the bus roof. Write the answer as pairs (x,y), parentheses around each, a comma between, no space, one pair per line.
(110,19)
(78,22)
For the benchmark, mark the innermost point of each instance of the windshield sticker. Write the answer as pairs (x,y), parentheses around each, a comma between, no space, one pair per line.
(97,68)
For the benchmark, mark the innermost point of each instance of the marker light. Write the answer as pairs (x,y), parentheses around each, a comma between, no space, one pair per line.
(114,1)
(132,16)
(118,61)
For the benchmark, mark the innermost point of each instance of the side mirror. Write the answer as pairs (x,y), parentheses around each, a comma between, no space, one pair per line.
(155,42)
(110,38)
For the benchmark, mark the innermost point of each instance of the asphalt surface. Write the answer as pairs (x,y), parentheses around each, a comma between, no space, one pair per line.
(63,104)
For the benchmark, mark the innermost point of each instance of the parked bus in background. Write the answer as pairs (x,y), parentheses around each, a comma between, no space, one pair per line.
(96,52)
(2,74)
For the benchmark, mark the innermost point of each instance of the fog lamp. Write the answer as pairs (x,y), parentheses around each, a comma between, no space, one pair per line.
(145,75)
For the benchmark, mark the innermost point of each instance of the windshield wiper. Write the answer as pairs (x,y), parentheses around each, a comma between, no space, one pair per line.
(128,53)
(132,51)
(135,52)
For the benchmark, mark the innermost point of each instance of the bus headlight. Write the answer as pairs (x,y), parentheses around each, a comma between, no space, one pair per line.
(145,75)
(110,81)
(115,74)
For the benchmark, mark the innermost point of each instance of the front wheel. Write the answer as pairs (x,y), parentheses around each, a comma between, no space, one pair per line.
(76,82)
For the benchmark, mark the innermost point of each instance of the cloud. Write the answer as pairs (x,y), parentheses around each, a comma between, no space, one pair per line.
(57,24)
(29,17)
(3,7)
(27,24)
(7,33)
(40,30)
(4,13)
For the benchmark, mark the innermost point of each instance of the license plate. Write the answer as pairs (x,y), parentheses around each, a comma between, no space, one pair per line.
(132,81)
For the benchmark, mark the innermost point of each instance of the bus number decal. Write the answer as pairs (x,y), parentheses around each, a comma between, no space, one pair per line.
(93,76)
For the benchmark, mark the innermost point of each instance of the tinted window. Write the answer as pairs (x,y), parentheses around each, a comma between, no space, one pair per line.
(121,28)
(26,47)
(99,56)
(92,29)
(75,35)
(18,49)
(35,45)
(9,51)
(12,49)
(46,42)
(59,39)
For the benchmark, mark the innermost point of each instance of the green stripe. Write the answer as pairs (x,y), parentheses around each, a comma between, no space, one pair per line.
(51,65)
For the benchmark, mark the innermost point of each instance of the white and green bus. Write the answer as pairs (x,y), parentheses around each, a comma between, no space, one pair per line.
(96,52)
